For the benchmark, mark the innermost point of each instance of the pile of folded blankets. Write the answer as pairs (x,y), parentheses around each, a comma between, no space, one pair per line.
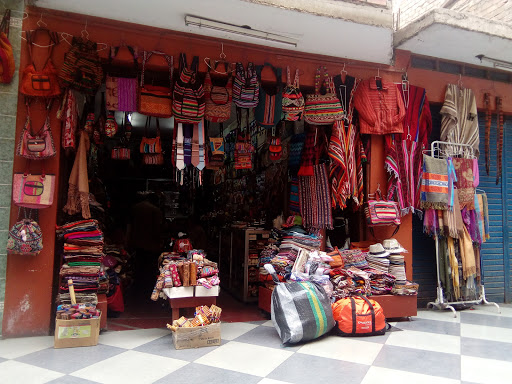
(82,255)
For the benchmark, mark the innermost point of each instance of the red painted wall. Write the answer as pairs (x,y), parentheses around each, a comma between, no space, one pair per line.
(28,298)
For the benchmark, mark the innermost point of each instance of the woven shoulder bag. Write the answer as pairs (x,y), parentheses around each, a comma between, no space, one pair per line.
(323,109)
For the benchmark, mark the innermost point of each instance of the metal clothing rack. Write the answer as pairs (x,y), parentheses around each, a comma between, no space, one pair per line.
(442,149)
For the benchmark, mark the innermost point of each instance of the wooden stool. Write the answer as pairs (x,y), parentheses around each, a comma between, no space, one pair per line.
(188,302)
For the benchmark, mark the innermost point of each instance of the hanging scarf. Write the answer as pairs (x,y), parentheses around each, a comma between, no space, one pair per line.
(431,223)
(485,211)
(78,192)
(467,255)
(435,184)
(465,182)
(488,121)
(454,268)
(315,199)
(459,123)
(452,220)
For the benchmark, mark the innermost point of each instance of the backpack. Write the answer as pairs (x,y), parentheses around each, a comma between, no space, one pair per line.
(269,108)
(7,64)
(293,100)
(188,97)
(359,316)
(246,87)
(81,69)
(218,97)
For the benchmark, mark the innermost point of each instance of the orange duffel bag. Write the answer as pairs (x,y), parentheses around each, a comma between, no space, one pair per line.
(359,316)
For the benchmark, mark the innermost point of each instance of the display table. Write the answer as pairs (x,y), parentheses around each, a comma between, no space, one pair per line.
(102,306)
(189,302)
(190,297)
(393,306)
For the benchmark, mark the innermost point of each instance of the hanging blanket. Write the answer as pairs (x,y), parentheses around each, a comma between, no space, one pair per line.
(465,182)
(78,192)
(315,199)
(434,184)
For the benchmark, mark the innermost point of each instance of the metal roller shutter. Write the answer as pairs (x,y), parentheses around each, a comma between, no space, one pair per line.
(496,250)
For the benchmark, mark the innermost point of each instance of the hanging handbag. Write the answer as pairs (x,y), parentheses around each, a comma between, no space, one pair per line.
(7,63)
(25,238)
(81,69)
(42,83)
(269,109)
(218,97)
(293,100)
(121,91)
(33,191)
(37,146)
(151,144)
(188,103)
(151,147)
(122,151)
(381,213)
(246,87)
(155,100)
(323,109)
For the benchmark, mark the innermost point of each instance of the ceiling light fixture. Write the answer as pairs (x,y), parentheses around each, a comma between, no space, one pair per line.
(243,30)
(496,62)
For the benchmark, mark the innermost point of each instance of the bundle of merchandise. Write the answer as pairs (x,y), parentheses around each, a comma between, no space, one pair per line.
(180,272)
(203,316)
(83,252)
(285,247)
(349,282)
(77,311)
(381,283)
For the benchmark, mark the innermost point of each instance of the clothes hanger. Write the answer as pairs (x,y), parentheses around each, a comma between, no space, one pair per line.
(222,60)
(41,26)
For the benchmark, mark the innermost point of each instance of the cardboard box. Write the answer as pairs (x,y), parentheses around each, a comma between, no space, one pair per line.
(205,292)
(197,337)
(177,292)
(76,333)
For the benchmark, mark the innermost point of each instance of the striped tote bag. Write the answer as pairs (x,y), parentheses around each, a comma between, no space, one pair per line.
(323,109)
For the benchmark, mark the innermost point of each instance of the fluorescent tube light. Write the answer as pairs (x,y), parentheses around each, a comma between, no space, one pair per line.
(496,62)
(237,29)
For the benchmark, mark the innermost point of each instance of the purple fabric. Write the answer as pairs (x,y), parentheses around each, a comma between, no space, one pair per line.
(473,229)
(127,94)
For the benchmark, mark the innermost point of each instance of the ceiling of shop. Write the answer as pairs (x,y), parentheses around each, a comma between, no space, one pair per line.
(355,31)
(450,35)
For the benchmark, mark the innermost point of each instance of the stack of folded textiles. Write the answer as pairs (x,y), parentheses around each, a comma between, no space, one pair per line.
(83,251)
(381,282)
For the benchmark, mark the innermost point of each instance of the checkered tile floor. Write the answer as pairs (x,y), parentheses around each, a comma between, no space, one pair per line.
(434,347)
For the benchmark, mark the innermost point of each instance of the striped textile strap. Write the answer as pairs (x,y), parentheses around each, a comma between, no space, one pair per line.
(488,119)
(499,112)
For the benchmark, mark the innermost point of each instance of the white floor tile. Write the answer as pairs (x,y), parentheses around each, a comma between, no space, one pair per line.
(15,372)
(434,314)
(486,333)
(478,370)
(131,339)
(341,348)
(230,331)
(271,381)
(268,323)
(130,367)
(378,375)
(245,358)
(491,310)
(425,340)
(13,348)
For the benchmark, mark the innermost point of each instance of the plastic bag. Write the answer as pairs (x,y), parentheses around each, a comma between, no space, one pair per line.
(300,311)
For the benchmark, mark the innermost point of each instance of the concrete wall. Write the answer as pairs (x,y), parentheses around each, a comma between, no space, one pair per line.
(8,108)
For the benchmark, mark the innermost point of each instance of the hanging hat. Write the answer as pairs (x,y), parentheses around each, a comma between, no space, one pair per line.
(393,246)
(377,250)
